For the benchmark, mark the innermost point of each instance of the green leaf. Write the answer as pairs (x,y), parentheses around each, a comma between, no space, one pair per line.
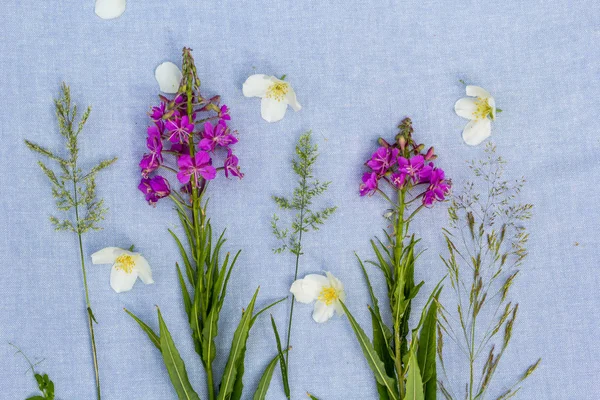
(282,362)
(380,344)
(209,333)
(154,338)
(311,396)
(373,359)
(238,346)
(265,380)
(414,384)
(187,302)
(238,386)
(374,301)
(186,260)
(174,364)
(426,352)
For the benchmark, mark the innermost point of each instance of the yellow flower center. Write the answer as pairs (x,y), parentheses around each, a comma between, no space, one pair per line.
(483,108)
(328,295)
(278,90)
(125,263)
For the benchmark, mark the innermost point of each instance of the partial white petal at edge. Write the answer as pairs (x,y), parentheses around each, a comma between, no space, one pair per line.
(107,255)
(168,76)
(109,9)
(122,281)
(466,107)
(308,289)
(272,110)
(290,98)
(323,312)
(257,85)
(143,270)
(477,91)
(477,131)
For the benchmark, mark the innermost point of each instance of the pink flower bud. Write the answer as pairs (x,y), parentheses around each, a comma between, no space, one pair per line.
(429,154)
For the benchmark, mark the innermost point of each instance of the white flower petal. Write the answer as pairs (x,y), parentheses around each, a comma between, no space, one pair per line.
(308,289)
(477,91)
(290,98)
(257,85)
(122,281)
(272,110)
(108,255)
(109,9)
(323,312)
(168,76)
(143,270)
(466,107)
(477,131)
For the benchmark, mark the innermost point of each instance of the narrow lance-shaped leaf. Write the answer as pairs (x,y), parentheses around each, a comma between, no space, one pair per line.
(426,352)
(265,380)
(414,384)
(238,345)
(174,364)
(373,359)
(282,361)
(154,338)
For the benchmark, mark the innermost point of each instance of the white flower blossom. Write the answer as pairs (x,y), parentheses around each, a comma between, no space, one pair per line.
(326,291)
(480,108)
(276,94)
(127,267)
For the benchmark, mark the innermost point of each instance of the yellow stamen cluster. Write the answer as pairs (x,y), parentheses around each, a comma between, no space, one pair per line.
(125,263)
(328,295)
(483,108)
(278,91)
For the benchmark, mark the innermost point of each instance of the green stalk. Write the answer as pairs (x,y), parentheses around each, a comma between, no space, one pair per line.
(398,247)
(198,219)
(90,314)
(291,315)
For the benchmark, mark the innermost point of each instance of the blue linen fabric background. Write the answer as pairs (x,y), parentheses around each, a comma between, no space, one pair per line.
(358,68)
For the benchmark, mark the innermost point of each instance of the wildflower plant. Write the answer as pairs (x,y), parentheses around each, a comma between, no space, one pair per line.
(74,192)
(304,220)
(188,134)
(403,360)
(486,241)
(43,381)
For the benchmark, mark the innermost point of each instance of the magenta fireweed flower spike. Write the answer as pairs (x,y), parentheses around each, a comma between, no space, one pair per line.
(405,176)
(189,143)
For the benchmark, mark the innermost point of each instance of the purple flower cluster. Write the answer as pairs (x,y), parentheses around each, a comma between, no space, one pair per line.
(191,143)
(404,166)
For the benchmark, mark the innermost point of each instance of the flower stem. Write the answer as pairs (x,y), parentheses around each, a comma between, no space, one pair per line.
(90,314)
(298,253)
(398,248)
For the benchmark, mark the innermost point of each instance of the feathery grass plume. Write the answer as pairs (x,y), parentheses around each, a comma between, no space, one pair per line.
(402,359)
(196,129)
(486,242)
(305,219)
(44,383)
(74,192)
